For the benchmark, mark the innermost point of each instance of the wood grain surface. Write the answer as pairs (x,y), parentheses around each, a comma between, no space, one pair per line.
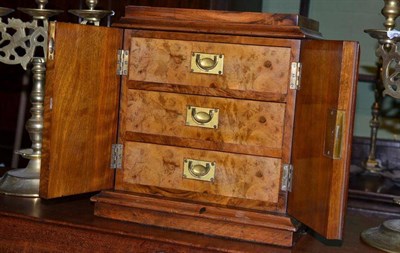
(245,23)
(241,176)
(278,208)
(242,123)
(212,90)
(247,68)
(80,118)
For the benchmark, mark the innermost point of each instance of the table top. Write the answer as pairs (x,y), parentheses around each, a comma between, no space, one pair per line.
(74,215)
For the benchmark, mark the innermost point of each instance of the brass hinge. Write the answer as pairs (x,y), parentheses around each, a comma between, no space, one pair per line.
(116,156)
(287,174)
(334,133)
(295,76)
(51,41)
(122,64)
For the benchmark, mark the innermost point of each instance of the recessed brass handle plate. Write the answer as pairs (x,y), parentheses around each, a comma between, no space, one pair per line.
(334,134)
(207,63)
(202,117)
(199,170)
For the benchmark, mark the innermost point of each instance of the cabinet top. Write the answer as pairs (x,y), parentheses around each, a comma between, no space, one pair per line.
(219,22)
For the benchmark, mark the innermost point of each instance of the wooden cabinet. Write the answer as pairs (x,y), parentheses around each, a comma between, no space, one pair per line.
(228,124)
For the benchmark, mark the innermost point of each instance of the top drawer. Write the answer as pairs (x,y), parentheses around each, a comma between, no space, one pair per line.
(245,67)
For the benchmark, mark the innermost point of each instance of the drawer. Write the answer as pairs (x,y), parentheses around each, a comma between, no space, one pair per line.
(240,176)
(245,67)
(242,126)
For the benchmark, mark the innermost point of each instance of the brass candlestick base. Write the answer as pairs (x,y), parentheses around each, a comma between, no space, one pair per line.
(385,237)
(23,182)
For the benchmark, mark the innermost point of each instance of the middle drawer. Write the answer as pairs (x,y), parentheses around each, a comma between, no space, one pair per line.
(241,126)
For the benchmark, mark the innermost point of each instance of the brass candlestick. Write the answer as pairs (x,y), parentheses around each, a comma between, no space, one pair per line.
(40,13)
(25,182)
(387,236)
(91,16)
(372,164)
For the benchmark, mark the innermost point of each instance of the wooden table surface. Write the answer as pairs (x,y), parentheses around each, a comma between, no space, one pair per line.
(68,225)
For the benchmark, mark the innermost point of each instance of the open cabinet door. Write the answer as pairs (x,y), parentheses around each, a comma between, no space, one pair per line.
(323,127)
(81,110)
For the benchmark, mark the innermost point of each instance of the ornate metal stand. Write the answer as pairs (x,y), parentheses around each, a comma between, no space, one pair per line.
(387,236)
(20,48)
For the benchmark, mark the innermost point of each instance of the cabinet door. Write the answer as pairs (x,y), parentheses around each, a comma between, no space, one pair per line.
(81,110)
(323,127)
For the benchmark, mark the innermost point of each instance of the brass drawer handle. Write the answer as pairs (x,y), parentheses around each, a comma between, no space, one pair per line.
(199,170)
(202,117)
(206,63)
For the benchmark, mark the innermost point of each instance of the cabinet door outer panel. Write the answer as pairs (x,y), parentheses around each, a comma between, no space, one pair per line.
(80,116)
(319,191)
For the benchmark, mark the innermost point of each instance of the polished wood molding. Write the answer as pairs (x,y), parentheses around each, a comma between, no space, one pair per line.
(250,23)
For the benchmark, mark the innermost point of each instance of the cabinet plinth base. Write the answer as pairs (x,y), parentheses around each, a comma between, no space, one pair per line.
(205,219)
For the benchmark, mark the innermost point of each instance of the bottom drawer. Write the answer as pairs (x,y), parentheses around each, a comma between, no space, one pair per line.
(233,175)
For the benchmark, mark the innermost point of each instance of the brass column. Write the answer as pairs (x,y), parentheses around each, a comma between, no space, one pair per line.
(25,182)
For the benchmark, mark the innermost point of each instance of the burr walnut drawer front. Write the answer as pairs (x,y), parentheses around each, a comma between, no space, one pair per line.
(243,126)
(215,173)
(214,65)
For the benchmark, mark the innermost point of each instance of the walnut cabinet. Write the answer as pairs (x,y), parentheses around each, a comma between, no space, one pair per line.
(228,124)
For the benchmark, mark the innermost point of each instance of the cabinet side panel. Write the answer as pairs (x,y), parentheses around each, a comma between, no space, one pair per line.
(318,197)
(81,115)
